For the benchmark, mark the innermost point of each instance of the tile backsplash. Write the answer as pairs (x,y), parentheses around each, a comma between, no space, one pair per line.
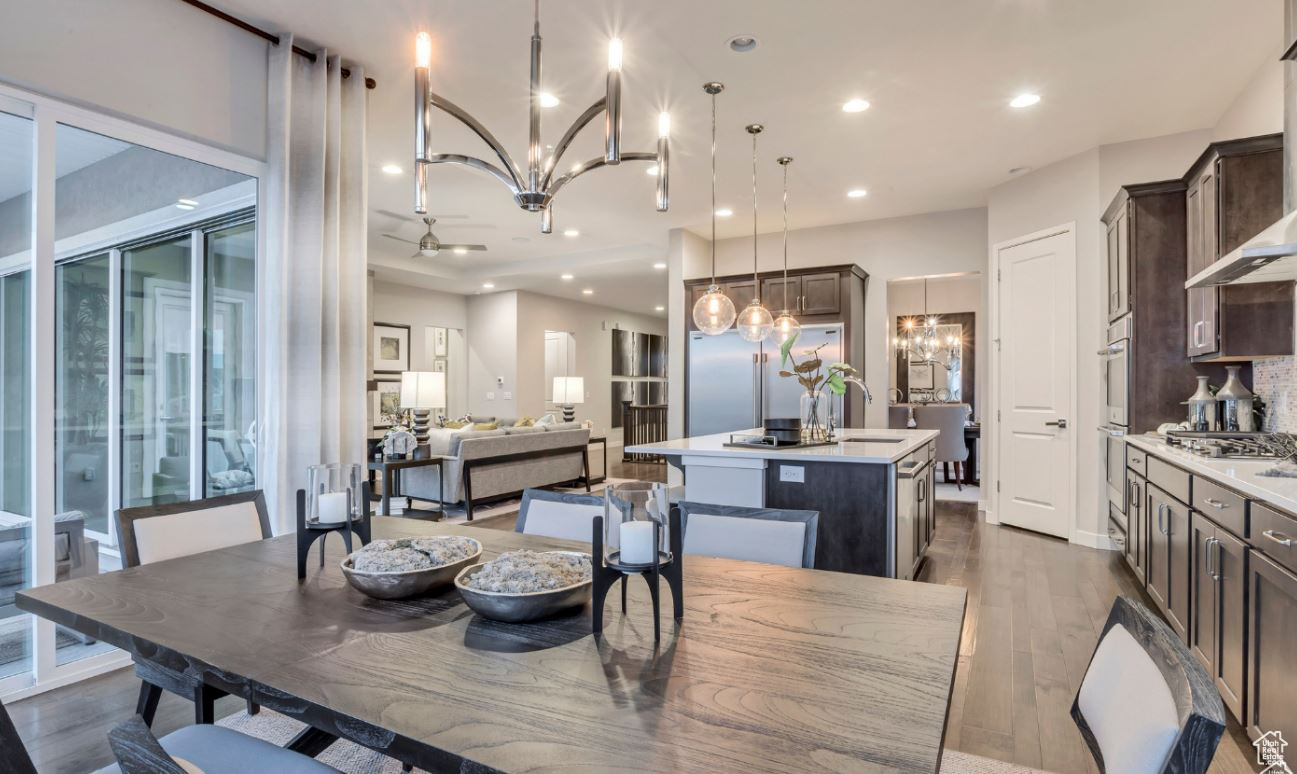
(1275,381)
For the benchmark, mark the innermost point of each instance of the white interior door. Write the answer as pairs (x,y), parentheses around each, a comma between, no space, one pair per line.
(1035,439)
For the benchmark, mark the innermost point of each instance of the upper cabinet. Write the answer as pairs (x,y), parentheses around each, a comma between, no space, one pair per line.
(1233,191)
(1118,263)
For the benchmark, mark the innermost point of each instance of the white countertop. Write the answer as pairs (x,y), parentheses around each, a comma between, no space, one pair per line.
(1239,475)
(876,452)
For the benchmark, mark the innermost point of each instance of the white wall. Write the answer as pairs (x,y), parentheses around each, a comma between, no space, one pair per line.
(591,327)
(159,62)
(421,308)
(1258,109)
(934,243)
(960,293)
(687,255)
(492,332)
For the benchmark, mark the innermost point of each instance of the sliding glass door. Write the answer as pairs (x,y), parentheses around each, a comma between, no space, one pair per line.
(128,351)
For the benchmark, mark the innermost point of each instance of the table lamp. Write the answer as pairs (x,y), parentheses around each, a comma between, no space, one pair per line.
(568,391)
(422,391)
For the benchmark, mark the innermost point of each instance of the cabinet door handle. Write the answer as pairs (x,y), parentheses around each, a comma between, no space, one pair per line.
(1278,537)
(1197,329)
(1217,504)
(1161,520)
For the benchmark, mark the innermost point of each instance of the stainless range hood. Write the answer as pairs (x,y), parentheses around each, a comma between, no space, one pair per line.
(1270,256)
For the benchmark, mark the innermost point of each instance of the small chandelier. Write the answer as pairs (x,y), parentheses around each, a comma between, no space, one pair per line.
(786,326)
(714,311)
(755,322)
(535,190)
(919,342)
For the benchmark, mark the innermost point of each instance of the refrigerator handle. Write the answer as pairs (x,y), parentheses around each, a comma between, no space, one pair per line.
(756,390)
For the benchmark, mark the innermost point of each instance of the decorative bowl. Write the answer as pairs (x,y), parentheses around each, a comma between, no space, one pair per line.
(406,583)
(519,608)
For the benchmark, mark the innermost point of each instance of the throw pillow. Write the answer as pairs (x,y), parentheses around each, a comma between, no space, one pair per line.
(455,424)
(525,422)
(548,419)
(486,426)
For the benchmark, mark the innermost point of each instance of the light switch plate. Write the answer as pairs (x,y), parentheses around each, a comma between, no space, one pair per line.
(792,473)
(508,396)
(490,396)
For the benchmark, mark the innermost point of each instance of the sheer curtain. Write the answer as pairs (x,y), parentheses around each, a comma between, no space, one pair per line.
(312,280)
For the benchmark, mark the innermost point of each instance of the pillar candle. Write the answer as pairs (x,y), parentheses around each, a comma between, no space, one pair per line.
(333,507)
(637,542)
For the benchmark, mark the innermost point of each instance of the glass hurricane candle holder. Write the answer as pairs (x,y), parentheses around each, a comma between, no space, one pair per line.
(333,493)
(639,534)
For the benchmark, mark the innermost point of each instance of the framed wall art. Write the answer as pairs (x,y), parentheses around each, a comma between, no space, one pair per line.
(391,348)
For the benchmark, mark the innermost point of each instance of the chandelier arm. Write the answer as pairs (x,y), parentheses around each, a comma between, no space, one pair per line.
(590,114)
(476,163)
(595,163)
(510,167)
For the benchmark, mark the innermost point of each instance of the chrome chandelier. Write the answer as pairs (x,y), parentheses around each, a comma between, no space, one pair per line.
(534,191)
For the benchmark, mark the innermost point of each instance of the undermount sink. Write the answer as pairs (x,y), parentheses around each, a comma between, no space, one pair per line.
(872,440)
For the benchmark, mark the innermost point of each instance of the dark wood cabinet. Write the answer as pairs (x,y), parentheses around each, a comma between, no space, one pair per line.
(1168,558)
(1218,618)
(1272,648)
(1136,548)
(778,295)
(1233,191)
(1119,264)
(821,294)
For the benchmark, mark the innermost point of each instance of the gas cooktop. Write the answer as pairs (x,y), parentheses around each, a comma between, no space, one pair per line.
(1244,446)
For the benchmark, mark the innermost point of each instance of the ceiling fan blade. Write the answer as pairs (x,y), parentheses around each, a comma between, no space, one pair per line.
(463,247)
(415,218)
(401,239)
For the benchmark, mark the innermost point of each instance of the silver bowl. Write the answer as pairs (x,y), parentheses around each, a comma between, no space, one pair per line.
(407,583)
(518,608)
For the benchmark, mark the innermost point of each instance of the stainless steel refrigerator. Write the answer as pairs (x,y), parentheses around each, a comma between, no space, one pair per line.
(735,384)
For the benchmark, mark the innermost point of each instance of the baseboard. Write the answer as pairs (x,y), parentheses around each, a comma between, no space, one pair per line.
(1099,540)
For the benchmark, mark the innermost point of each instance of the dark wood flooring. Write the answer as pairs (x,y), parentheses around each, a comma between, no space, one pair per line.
(1035,607)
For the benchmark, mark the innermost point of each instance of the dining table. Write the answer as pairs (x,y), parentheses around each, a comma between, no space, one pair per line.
(772,668)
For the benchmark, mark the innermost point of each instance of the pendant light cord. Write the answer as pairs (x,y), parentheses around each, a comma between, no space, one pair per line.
(785,166)
(756,288)
(713,187)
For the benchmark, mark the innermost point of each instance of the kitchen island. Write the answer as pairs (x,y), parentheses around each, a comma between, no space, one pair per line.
(872,489)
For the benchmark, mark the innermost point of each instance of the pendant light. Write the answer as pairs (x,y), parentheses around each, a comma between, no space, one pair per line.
(786,326)
(755,323)
(714,312)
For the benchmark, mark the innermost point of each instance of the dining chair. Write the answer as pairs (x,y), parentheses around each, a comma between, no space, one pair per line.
(1145,704)
(949,419)
(767,535)
(155,533)
(561,515)
(209,749)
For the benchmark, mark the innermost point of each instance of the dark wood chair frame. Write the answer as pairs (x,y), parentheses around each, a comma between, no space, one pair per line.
(13,753)
(469,465)
(155,677)
(1197,703)
(809,519)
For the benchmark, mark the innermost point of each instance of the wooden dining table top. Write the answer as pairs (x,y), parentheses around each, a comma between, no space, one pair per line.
(772,669)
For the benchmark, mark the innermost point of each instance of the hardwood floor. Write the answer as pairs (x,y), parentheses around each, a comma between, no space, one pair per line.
(1035,608)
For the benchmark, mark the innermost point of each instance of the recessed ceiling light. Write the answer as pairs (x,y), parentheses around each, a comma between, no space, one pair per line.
(488,285)
(571,232)
(857,193)
(566,277)
(659,265)
(724,212)
(1024,100)
(659,308)
(548,100)
(653,170)
(742,43)
(460,251)
(855,106)
(588,291)
(392,169)
(186,204)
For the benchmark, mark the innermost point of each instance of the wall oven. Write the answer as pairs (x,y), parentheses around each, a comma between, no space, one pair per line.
(1116,380)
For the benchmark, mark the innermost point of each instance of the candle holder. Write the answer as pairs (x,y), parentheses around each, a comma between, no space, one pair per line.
(337,501)
(628,540)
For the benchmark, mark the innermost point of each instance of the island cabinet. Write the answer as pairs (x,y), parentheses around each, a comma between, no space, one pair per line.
(1233,191)
(1272,623)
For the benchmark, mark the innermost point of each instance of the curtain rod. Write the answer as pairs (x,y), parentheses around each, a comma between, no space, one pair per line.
(370,83)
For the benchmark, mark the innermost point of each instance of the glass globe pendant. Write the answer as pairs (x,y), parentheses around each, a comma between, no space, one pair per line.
(714,312)
(786,326)
(755,324)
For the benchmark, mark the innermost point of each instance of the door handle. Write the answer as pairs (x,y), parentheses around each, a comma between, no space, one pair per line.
(1278,537)
(1059,423)
(1215,565)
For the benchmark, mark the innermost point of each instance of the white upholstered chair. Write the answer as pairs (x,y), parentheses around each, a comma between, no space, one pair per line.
(1145,706)
(754,534)
(156,533)
(949,420)
(208,749)
(558,514)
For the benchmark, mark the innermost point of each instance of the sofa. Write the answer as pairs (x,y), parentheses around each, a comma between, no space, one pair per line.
(489,465)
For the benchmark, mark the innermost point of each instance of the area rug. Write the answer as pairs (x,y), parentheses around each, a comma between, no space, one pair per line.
(342,755)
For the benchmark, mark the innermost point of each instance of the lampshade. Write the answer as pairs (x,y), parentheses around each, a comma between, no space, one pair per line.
(569,390)
(423,390)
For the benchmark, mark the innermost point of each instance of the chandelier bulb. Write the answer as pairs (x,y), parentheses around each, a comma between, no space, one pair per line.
(614,54)
(423,50)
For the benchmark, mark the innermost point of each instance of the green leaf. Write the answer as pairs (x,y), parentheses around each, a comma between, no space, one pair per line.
(836,384)
(845,368)
(785,348)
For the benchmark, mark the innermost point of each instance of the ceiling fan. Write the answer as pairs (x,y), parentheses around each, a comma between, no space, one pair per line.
(429,246)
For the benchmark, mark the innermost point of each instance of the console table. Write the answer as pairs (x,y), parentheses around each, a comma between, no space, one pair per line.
(391,470)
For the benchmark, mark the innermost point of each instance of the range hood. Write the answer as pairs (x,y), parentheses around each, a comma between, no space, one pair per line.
(1270,256)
